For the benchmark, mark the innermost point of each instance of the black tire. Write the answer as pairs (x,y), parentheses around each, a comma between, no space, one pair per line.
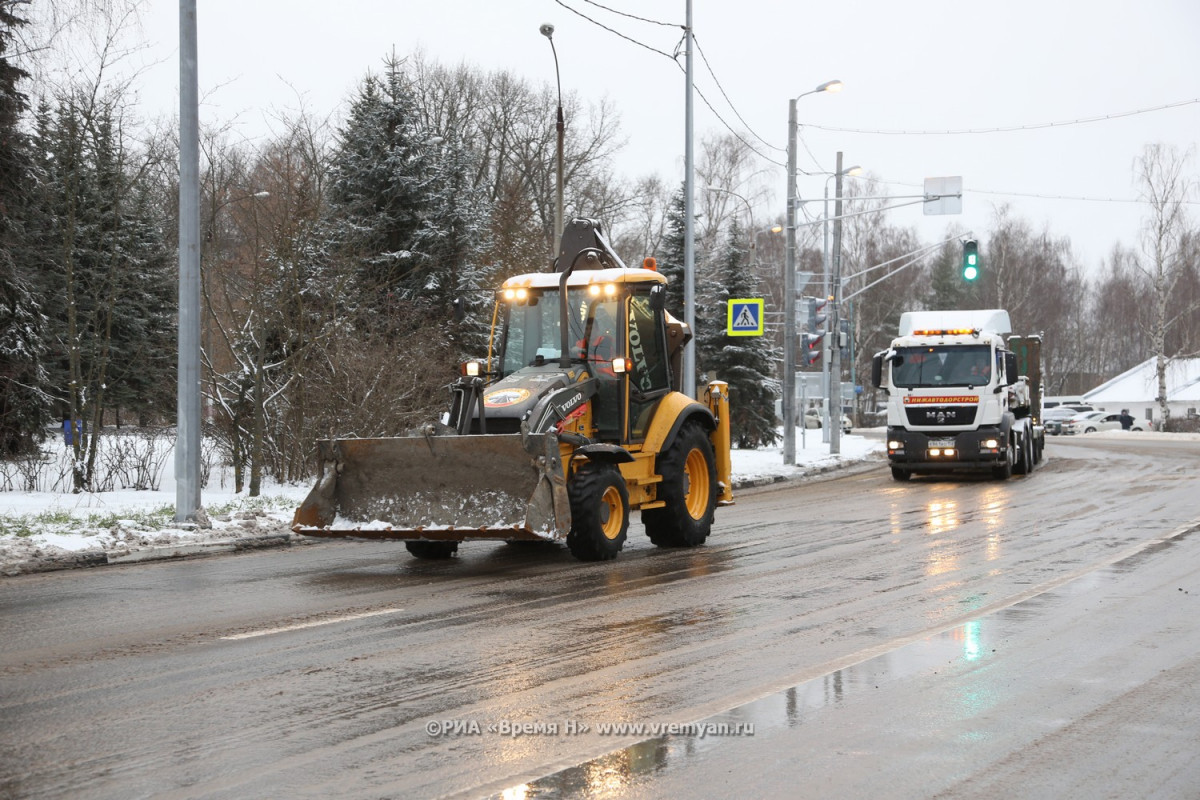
(689,489)
(1024,461)
(1090,430)
(432,550)
(599,512)
(1003,473)
(901,475)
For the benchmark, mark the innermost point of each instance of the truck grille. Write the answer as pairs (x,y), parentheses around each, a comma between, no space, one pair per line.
(925,416)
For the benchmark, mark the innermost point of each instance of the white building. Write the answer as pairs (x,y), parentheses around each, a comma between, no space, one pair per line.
(1137,388)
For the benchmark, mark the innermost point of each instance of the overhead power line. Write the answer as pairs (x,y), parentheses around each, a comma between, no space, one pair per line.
(674,59)
(1008,128)
(632,16)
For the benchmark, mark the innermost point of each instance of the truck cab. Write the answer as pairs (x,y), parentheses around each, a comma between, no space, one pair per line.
(956,400)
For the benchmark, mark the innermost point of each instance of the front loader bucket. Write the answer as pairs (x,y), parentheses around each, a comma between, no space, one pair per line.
(440,488)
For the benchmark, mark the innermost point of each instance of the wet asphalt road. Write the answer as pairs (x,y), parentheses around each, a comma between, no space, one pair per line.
(959,638)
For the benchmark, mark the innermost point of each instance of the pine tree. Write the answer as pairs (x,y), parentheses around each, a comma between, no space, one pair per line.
(746,363)
(24,405)
(101,256)
(379,194)
(671,257)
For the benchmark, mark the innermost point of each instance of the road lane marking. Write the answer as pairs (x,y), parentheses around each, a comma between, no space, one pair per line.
(303,625)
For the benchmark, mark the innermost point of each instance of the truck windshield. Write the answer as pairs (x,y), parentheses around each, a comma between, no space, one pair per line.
(529,330)
(942,365)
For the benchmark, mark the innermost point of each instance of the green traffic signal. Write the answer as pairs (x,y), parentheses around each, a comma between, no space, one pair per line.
(970,263)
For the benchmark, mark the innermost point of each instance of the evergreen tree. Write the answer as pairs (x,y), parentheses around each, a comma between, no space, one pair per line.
(100,255)
(451,241)
(380,192)
(24,406)
(671,256)
(947,289)
(744,362)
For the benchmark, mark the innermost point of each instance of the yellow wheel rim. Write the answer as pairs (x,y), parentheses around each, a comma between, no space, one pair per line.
(615,518)
(697,490)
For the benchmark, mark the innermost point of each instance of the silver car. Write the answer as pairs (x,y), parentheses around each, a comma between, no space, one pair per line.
(1093,421)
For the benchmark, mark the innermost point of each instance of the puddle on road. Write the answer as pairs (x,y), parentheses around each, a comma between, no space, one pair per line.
(974,641)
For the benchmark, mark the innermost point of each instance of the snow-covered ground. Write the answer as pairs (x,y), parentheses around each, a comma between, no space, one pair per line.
(41,529)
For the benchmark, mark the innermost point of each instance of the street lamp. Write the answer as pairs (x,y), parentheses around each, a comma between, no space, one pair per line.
(789,283)
(547,30)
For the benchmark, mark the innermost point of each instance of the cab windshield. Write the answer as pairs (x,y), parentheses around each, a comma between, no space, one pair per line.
(529,328)
(925,367)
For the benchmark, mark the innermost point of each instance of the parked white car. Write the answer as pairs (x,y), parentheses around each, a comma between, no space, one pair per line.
(1093,421)
(812,419)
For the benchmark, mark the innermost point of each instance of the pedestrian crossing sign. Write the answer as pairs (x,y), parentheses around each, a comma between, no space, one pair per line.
(745,317)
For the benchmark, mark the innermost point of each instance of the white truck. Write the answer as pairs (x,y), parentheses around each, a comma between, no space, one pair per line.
(960,396)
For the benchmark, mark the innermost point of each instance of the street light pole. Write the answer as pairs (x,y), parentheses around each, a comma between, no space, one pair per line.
(835,358)
(548,31)
(789,283)
(187,406)
(825,289)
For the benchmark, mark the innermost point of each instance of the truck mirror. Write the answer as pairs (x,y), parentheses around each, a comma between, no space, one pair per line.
(877,370)
(658,298)
(1010,368)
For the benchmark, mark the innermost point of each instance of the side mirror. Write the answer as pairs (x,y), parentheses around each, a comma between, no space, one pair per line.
(877,370)
(1010,369)
(658,298)
(460,309)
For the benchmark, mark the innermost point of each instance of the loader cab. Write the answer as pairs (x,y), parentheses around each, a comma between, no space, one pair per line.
(617,337)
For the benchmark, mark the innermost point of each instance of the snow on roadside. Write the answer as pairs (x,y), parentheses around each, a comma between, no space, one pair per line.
(37,527)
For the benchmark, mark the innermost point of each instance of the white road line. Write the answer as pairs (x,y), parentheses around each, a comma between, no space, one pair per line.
(302,625)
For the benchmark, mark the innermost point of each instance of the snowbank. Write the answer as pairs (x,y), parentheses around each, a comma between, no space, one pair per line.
(43,530)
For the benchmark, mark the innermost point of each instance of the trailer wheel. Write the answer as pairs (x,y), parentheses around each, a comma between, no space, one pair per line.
(689,489)
(599,512)
(1005,471)
(432,550)
(901,475)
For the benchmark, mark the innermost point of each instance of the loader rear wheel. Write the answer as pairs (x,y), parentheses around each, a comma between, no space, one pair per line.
(599,512)
(432,550)
(689,489)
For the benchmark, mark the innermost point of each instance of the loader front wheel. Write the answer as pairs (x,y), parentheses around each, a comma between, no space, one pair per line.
(599,512)
(432,550)
(689,489)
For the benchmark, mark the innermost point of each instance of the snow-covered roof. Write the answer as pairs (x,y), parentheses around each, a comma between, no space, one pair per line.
(1141,383)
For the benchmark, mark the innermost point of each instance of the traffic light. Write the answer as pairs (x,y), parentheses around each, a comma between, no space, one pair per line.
(817,313)
(810,348)
(970,260)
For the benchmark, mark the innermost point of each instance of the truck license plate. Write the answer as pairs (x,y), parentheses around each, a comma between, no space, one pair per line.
(941,443)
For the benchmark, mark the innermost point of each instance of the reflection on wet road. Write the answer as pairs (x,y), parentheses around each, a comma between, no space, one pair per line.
(852,621)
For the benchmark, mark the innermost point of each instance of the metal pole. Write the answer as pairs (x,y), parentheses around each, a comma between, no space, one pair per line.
(187,432)
(547,30)
(825,290)
(835,358)
(689,243)
(789,299)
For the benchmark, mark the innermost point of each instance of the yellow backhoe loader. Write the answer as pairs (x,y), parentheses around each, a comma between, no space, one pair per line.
(574,420)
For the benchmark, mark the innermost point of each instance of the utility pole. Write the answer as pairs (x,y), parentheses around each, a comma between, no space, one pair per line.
(835,328)
(789,299)
(187,407)
(689,233)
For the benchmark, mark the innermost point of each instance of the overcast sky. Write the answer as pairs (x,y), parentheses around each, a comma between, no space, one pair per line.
(917,65)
